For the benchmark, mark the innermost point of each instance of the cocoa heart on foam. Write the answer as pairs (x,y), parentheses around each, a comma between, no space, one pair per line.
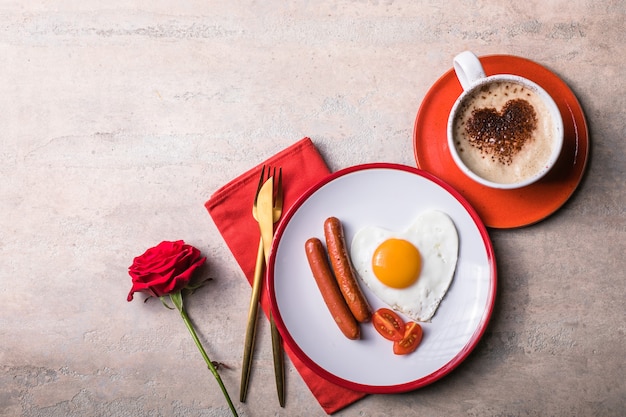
(502,134)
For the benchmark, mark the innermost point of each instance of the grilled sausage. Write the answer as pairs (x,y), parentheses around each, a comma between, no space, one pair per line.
(344,271)
(318,261)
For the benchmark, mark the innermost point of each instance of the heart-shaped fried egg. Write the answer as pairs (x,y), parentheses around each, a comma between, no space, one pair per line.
(410,271)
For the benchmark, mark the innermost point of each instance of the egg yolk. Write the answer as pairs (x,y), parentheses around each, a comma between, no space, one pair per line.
(396,263)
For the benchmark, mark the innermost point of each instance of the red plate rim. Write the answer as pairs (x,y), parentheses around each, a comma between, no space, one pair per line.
(422,381)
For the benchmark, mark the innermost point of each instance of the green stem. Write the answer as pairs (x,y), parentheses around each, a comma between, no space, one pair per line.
(177,299)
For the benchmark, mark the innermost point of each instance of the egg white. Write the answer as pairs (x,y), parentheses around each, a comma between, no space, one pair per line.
(433,233)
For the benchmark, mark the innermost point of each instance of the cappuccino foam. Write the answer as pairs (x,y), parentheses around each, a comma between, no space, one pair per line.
(504,132)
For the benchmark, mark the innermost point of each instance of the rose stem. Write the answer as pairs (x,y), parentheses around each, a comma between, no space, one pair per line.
(177,299)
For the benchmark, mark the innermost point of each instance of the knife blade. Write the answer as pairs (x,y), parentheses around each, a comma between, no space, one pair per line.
(265,213)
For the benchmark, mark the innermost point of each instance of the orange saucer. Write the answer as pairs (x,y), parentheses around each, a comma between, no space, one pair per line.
(504,208)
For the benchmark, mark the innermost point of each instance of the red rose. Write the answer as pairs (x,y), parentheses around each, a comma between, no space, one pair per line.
(164,269)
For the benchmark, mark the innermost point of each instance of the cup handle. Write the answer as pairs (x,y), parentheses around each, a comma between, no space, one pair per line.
(468,69)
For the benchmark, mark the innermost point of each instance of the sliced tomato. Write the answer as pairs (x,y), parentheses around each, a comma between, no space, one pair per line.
(412,338)
(388,324)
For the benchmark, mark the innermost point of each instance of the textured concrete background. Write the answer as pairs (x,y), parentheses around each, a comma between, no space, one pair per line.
(119,119)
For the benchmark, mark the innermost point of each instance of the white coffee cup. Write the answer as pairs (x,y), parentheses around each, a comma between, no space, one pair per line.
(504,131)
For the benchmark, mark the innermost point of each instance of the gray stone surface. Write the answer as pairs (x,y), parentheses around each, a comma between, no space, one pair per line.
(120,118)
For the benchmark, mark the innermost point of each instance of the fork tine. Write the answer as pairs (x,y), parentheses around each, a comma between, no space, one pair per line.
(271,173)
(278,202)
(258,188)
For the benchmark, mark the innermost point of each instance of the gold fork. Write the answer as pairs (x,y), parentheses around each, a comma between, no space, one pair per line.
(277,347)
(256,285)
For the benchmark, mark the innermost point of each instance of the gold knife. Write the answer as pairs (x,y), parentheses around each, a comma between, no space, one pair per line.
(264,206)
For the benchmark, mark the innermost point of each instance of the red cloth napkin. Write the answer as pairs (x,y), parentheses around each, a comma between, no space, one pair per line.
(231,210)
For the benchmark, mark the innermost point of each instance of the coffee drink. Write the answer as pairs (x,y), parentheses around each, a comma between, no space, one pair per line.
(504,132)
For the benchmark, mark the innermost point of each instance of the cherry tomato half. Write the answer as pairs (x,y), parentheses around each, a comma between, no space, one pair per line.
(412,338)
(388,324)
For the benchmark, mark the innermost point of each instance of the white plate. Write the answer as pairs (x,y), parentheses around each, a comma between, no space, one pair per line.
(389,196)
